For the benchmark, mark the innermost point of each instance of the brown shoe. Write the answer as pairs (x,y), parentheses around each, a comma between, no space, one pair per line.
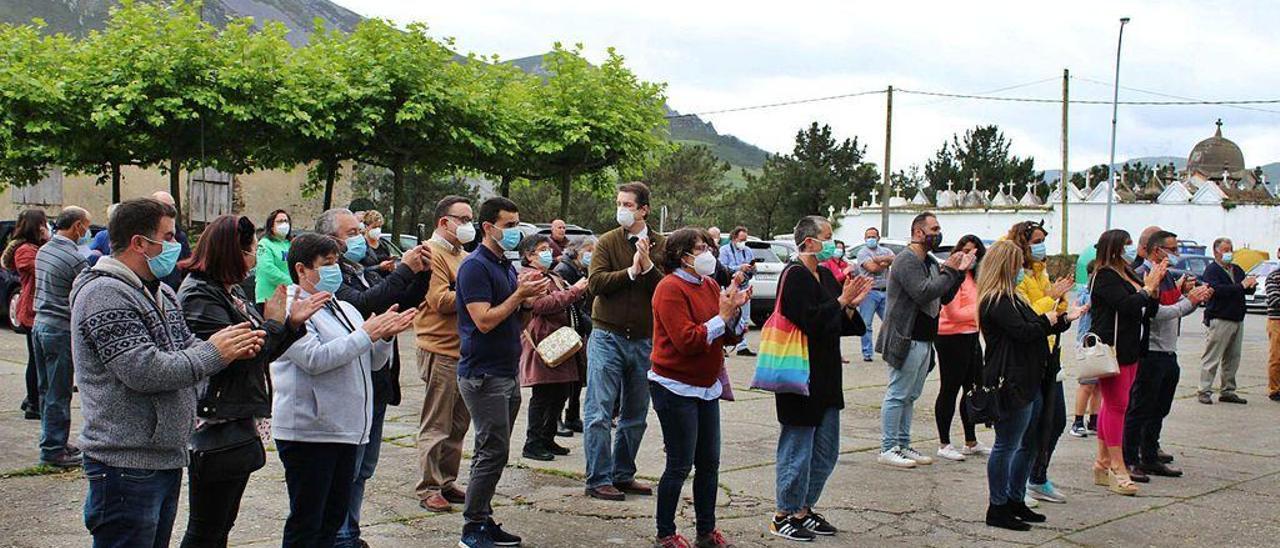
(1136,474)
(454,495)
(436,503)
(634,487)
(605,492)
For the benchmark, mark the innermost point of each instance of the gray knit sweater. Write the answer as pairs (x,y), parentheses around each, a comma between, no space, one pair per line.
(137,366)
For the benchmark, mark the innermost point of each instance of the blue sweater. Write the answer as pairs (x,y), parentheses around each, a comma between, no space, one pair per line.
(1228,293)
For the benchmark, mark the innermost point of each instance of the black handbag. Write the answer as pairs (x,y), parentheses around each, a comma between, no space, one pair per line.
(985,403)
(227,449)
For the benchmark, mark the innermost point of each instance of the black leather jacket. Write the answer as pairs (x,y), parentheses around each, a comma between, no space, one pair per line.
(372,292)
(243,389)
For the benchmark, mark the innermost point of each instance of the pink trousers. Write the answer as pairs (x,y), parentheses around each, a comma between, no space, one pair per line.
(1115,401)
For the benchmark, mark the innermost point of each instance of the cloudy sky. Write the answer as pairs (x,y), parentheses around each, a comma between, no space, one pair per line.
(717,54)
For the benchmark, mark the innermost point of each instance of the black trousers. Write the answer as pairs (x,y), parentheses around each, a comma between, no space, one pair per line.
(319,478)
(544,413)
(1051,422)
(215,503)
(32,376)
(1149,403)
(573,409)
(960,368)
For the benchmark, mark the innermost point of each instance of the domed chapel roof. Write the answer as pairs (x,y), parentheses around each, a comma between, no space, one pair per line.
(1214,154)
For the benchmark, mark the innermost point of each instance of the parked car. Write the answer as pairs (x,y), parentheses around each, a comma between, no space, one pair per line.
(1193,265)
(575,233)
(1190,247)
(1258,301)
(771,258)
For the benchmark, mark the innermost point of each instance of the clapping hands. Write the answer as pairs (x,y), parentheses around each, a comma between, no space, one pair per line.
(854,291)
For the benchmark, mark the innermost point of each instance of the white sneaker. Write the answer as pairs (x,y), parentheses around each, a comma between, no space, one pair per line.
(1029,501)
(978,449)
(916,456)
(896,459)
(949,452)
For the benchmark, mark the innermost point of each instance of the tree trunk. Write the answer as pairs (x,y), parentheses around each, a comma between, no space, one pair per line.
(397,197)
(173,187)
(331,173)
(505,187)
(115,183)
(566,182)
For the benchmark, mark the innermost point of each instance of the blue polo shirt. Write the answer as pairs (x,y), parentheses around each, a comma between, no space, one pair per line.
(490,278)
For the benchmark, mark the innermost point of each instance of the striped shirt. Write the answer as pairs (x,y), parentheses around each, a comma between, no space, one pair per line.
(1273,294)
(57,265)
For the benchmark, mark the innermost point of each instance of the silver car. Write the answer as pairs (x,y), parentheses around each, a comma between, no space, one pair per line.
(1257,302)
(771,258)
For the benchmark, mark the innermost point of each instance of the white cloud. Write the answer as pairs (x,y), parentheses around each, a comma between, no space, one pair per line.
(720,54)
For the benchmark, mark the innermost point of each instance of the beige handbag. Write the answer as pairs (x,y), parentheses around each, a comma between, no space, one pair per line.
(1094,358)
(557,347)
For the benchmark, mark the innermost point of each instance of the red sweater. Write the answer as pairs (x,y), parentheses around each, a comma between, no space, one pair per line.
(680,349)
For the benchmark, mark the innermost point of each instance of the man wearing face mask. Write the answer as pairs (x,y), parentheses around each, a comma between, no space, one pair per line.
(174,279)
(1224,315)
(137,366)
(57,265)
(623,278)
(738,258)
(443,421)
(873,261)
(372,292)
(917,289)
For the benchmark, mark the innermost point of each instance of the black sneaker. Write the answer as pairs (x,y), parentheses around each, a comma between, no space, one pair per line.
(538,453)
(790,528)
(1231,398)
(817,524)
(1274,397)
(1078,430)
(747,352)
(557,449)
(500,537)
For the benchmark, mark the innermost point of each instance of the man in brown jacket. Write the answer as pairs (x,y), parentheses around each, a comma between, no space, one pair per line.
(444,418)
(622,277)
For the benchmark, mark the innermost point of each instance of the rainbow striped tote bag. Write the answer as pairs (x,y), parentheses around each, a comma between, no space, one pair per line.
(783,363)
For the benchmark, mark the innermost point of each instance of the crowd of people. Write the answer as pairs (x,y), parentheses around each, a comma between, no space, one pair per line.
(200,358)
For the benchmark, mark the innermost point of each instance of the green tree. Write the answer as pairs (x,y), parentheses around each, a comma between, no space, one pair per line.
(421,192)
(689,182)
(33,104)
(983,151)
(761,202)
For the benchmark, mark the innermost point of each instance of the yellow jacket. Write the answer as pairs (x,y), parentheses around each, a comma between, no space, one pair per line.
(1035,288)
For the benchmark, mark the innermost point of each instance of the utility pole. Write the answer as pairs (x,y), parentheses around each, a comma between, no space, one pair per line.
(1115,105)
(1066,175)
(888,172)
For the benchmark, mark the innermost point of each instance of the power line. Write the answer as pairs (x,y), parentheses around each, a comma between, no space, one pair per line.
(779,104)
(1171,96)
(1091,102)
(989,92)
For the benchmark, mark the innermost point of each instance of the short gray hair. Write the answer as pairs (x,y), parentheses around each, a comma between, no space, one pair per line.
(809,227)
(575,248)
(327,222)
(1220,241)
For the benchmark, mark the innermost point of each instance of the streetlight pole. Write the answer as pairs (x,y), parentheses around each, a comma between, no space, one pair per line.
(1115,106)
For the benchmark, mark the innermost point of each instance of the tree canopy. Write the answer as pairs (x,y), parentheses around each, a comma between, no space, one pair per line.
(983,152)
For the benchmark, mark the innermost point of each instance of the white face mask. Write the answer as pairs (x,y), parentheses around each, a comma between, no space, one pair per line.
(704,264)
(282,229)
(465,233)
(740,245)
(375,233)
(626,217)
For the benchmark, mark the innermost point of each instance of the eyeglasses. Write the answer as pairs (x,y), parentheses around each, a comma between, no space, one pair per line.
(462,220)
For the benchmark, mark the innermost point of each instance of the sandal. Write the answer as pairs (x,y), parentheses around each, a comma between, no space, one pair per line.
(1100,477)
(1121,484)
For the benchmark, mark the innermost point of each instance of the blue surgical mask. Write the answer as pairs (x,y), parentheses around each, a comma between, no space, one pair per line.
(356,248)
(163,264)
(544,258)
(1022,275)
(586,258)
(510,238)
(1039,251)
(1228,257)
(85,239)
(873,242)
(330,278)
(1130,252)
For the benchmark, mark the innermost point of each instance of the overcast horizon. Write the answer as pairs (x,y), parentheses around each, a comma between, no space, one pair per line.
(717,55)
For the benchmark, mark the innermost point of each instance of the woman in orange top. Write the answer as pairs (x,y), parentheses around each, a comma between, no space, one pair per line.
(30,232)
(959,358)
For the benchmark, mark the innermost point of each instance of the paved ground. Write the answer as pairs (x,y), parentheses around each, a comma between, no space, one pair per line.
(1231,493)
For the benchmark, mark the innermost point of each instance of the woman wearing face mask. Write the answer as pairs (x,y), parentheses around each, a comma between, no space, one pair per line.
(273,254)
(551,385)
(323,405)
(959,358)
(1044,296)
(377,255)
(809,441)
(837,263)
(573,267)
(1123,304)
(693,320)
(31,232)
(235,402)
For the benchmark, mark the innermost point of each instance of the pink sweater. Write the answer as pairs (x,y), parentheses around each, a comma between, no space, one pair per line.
(960,316)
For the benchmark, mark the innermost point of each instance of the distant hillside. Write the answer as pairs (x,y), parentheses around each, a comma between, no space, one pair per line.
(78,17)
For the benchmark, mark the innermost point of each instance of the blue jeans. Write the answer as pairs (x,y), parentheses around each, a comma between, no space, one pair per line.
(53,357)
(871,306)
(1011,454)
(617,371)
(806,457)
(746,313)
(130,507)
(366,461)
(905,385)
(691,434)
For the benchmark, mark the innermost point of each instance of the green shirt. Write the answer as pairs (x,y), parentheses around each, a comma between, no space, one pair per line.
(273,267)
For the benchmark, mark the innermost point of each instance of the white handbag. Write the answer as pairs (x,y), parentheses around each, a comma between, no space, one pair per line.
(559,346)
(1096,359)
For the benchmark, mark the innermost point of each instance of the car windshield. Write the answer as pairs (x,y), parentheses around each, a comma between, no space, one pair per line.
(1264,268)
(772,253)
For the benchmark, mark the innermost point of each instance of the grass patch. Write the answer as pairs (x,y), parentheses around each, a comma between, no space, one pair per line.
(37,470)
